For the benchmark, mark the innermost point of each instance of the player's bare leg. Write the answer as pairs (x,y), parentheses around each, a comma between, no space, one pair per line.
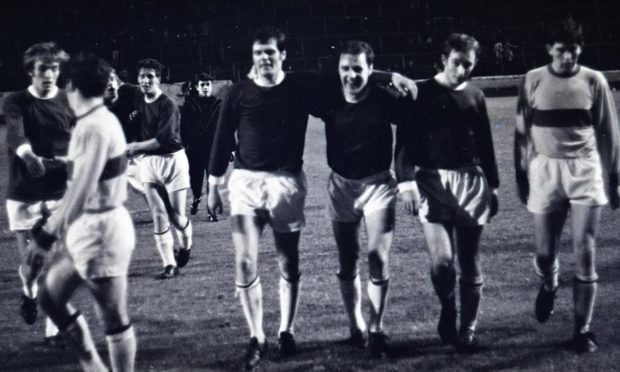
(163,237)
(347,241)
(60,283)
(438,238)
(287,247)
(246,231)
(585,222)
(547,231)
(380,229)
(470,283)
(182,224)
(110,296)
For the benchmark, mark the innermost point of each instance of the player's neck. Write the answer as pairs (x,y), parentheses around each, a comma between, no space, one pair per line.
(87,105)
(43,95)
(269,80)
(148,97)
(356,97)
(442,80)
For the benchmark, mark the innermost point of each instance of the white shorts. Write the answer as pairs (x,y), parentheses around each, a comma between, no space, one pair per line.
(101,244)
(350,200)
(277,196)
(556,183)
(170,170)
(23,215)
(460,195)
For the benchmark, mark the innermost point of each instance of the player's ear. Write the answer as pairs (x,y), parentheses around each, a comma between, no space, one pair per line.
(283,54)
(548,47)
(444,60)
(371,67)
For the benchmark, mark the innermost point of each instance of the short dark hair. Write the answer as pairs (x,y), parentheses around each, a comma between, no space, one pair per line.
(356,47)
(461,43)
(151,64)
(202,76)
(267,33)
(88,74)
(567,32)
(48,52)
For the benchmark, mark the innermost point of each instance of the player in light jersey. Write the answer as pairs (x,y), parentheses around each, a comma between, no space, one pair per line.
(39,123)
(566,137)
(99,232)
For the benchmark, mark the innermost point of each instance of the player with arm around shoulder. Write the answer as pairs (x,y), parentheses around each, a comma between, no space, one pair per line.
(448,176)
(98,230)
(566,137)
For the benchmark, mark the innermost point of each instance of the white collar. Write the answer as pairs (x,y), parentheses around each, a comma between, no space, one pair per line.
(52,94)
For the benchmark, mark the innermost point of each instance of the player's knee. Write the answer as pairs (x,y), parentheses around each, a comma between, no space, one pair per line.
(473,279)
(546,263)
(246,267)
(586,274)
(442,266)
(348,273)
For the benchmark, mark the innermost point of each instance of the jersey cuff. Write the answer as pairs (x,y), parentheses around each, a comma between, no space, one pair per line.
(407,186)
(218,181)
(23,149)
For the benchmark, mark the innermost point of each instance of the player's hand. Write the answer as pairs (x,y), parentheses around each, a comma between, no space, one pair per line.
(411,200)
(494,203)
(523,186)
(404,85)
(214,201)
(34,164)
(132,149)
(614,191)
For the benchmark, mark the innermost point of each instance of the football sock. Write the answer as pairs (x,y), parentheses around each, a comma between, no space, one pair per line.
(122,348)
(470,294)
(77,335)
(377,293)
(251,297)
(584,295)
(50,328)
(185,235)
(351,291)
(289,299)
(548,273)
(444,283)
(30,286)
(165,246)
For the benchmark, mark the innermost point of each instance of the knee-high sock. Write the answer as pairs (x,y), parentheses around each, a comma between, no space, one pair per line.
(165,246)
(377,293)
(251,296)
(351,291)
(289,300)
(50,328)
(548,272)
(584,295)
(470,294)
(29,282)
(122,349)
(77,335)
(444,283)
(185,235)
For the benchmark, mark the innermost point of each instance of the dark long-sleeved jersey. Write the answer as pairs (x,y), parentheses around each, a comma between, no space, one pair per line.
(198,122)
(160,119)
(44,124)
(270,123)
(448,129)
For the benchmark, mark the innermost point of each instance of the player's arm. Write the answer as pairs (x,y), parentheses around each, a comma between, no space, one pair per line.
(521,139)
(17,140)
(168,118)
(223,142)
(486,154)
(405,170)
(403,85)
(608,136)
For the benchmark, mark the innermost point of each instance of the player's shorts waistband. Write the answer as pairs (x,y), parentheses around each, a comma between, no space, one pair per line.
(166,155)
(593,155)
(465,169)
(257,173)
(381,177)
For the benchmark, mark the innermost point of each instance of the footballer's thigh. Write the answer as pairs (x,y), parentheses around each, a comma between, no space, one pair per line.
(110,294)
(246,232)
(585,221)
(287,247)
(438,237)
(178,202)
(380,230)
(347,242)
(157,205)
(60,282)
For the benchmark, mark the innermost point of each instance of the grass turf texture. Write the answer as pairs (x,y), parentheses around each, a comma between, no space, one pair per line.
(194,322)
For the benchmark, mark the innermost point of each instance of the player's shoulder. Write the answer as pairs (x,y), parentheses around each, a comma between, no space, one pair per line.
(18,98)
(592,75)
(537,73)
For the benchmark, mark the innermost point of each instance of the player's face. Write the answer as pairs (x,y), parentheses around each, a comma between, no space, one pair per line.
(267,58)
(111,92)
(148,81)
(354,71)
(458,66)
(204,88)
(44,76)
(564,57)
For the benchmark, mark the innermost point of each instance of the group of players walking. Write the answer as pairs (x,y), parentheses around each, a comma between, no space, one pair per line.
(65,142)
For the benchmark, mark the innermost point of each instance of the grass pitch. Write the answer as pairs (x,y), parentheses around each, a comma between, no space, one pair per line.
(195,323)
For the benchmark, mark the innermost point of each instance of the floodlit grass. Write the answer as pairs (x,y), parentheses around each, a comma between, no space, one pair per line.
(194,322)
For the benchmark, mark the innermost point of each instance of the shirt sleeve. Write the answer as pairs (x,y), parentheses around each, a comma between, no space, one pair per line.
(484,141)
(13,116)
(224,139)
(168,119)
(606,124)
